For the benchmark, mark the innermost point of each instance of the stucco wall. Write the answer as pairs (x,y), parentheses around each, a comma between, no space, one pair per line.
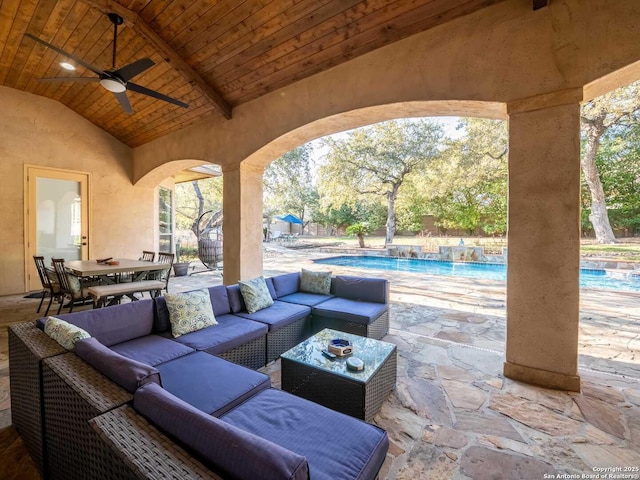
(38,131)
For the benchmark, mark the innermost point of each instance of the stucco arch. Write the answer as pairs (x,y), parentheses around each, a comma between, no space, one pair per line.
(154,177)
(367,116)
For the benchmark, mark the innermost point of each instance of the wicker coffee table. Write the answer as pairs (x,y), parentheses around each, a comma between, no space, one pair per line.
(309,374)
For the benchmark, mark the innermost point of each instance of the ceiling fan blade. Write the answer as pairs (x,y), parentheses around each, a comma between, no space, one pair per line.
(154,94)
(95,70)
(136,68)
(124,102)
(69,79)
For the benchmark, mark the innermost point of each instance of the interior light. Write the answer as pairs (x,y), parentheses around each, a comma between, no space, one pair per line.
(113,85)
(67,66)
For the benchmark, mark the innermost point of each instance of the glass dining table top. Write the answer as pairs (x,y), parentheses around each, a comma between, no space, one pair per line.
(371,351)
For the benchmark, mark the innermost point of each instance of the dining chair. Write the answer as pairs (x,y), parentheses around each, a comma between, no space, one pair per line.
(70,285)
(163,275)
(50,285)
(148,256)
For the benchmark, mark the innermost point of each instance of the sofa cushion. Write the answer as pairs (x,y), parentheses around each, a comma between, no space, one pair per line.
(219,302)
(116,324)
(229,333)
(227,450)
(255,294)
(271,288)
(64,333)
(236,302)
(286,284)
(315,282)
(210,383)
(151,349)
(278,315)
(350,310)
(373,290)
(335,445)
(189,311)
(303,298)
(129,374)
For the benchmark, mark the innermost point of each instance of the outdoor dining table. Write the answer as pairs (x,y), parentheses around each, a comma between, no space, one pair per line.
(108,273)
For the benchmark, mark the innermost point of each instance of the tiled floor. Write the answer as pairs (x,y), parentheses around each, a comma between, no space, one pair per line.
(453,414)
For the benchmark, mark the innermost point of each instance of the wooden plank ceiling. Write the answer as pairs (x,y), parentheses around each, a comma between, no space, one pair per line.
(211,54)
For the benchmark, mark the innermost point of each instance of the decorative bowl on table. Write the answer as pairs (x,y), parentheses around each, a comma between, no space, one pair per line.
(340,347)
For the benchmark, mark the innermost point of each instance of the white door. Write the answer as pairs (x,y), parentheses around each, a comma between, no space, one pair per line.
(57,218)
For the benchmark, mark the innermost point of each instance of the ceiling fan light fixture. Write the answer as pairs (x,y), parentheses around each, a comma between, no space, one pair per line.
(113,85)
(67,66)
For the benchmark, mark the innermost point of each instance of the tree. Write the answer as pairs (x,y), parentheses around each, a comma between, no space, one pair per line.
(196,197)
(375,161)
(616,108)
(289,184)
(359,230)
(467,185)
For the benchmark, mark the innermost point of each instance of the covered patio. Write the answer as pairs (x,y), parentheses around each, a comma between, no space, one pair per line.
(453,413)
(530,62)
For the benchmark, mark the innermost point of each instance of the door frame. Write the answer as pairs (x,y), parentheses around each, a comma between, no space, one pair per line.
(31,172)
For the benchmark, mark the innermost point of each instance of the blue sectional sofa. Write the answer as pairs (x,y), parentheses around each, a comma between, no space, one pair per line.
(190,405)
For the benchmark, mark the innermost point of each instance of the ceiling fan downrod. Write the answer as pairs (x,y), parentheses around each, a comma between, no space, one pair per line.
(116,20)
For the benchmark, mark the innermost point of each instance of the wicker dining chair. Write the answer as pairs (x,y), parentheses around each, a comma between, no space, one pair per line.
(70,286)
(50,285)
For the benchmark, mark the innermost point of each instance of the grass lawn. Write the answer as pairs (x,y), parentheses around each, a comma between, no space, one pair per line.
(627,250)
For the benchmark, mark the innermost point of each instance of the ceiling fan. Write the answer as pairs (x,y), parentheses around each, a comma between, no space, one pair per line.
(117,81)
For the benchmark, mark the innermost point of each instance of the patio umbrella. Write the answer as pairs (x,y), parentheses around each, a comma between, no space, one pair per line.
(289,218)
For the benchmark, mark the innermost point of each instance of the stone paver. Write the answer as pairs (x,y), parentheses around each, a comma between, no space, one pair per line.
(453,415)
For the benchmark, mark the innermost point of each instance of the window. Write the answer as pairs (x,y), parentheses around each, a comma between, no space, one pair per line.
(165,220)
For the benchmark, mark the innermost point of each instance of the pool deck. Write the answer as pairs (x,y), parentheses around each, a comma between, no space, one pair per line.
(453,414)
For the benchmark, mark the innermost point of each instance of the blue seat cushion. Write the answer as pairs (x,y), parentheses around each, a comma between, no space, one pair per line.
(115,324)
(286,284)
(227,450)
(209,383)
(335,445)
(350,310)
(219,302)
(151,349)
(230,332)
(304,298)
(278,315)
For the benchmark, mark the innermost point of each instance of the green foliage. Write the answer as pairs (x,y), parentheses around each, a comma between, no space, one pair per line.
(289,184)
(374,162)
(468,184)
(195,198)
(361,228)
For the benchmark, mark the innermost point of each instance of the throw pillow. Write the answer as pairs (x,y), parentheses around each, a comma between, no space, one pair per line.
(315,282)
(255,294)
(189,311)
(64,333)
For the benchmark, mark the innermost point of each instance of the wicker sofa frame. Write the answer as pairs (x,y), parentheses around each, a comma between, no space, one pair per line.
(281,340)
(28,347)
(75,392)
(251,354)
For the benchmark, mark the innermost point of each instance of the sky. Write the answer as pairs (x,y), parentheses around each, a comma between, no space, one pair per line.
(448,125)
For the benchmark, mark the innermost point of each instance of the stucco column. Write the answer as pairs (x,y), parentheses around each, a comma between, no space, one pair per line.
(242,223)
(544,244)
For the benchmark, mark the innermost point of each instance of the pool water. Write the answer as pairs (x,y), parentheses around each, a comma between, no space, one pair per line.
(589,278)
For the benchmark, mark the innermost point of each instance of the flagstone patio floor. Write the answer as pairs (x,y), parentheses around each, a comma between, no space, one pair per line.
(453,415)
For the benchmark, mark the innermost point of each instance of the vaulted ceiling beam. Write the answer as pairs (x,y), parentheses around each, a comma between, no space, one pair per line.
(133,20)
(538,4)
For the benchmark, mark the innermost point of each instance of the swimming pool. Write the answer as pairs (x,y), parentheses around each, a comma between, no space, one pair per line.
(589,278)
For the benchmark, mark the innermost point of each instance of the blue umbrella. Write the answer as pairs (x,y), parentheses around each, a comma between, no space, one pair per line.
(289,218)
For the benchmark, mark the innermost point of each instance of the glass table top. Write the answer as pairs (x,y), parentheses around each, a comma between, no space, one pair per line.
(371,351)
